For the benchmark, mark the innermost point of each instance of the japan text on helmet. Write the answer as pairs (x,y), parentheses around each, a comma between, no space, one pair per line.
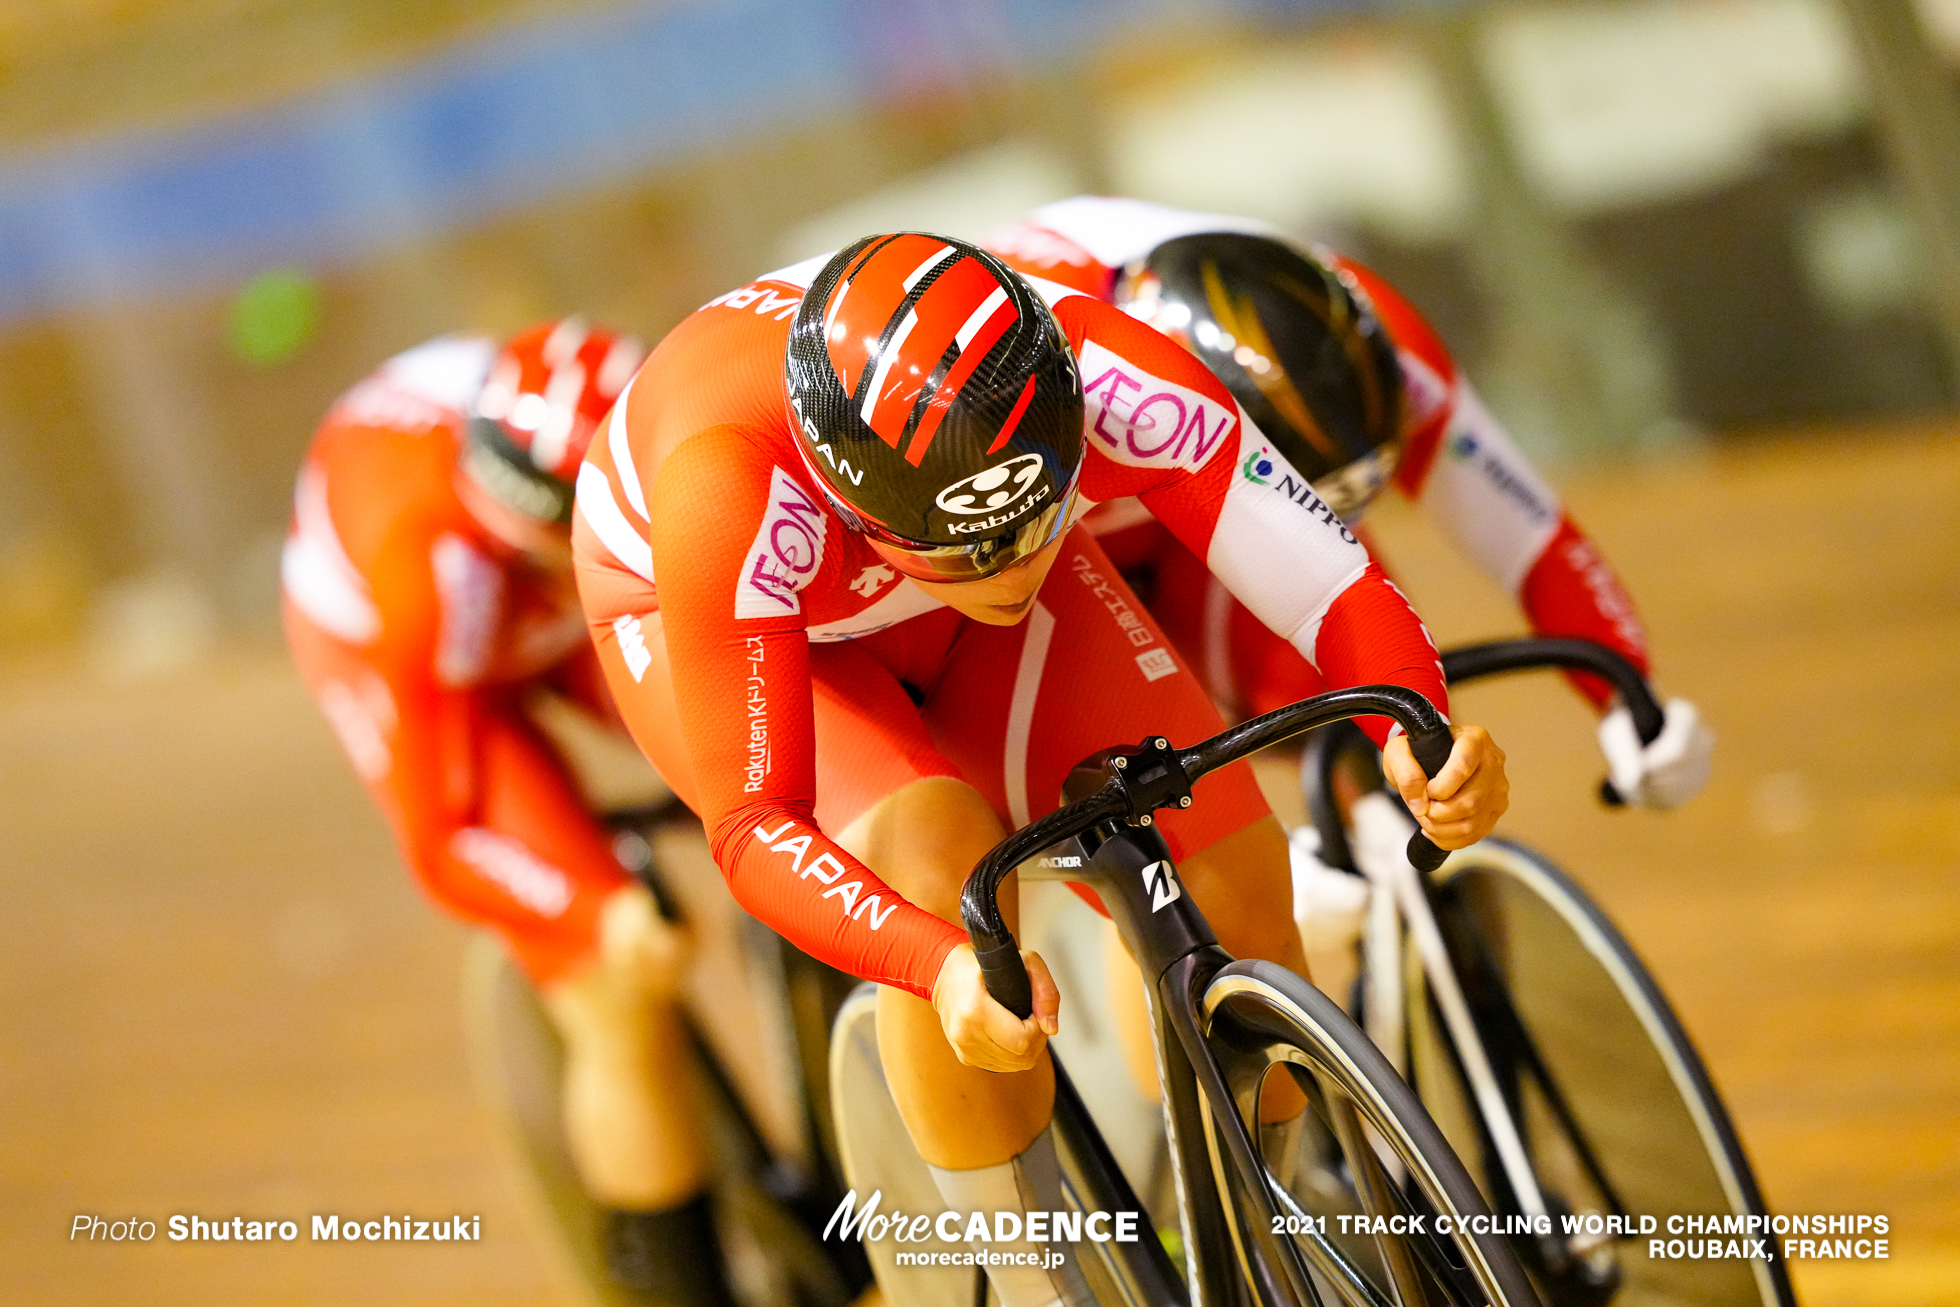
(1295,343)
(547,392)
(937,403)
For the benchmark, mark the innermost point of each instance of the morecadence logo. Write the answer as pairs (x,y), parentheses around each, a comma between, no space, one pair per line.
(869,1225)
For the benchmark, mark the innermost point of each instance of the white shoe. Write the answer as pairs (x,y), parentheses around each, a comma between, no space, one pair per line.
(1329,905)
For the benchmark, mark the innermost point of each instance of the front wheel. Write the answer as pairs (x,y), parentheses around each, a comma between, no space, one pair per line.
(1416,1231)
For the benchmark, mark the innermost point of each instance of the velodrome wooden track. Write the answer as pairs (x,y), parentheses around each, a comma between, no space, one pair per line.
(224,998)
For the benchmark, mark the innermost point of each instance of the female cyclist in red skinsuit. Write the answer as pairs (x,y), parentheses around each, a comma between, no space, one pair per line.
(827,546)
(1293,334)
(428,594)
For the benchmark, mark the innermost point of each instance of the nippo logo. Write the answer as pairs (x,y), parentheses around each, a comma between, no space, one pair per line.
(996,490)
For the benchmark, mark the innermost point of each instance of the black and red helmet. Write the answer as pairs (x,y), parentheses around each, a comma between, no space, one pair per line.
(938,404)
(1299,348)
(547,391)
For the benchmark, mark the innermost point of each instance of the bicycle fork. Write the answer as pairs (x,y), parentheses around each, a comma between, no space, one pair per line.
(1178,954)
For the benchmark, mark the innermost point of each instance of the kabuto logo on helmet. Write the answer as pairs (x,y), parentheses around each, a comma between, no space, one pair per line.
(996,489)
(1006,493)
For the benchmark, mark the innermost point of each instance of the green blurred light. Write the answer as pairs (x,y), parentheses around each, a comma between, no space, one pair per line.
(274,315)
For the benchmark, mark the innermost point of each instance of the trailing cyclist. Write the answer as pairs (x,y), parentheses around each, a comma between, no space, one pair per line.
(812,544)
(1316,348)
(429,595)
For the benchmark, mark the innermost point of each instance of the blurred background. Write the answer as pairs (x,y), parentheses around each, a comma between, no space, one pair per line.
(1702,256)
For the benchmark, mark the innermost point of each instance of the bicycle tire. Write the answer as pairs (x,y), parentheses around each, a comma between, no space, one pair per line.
(1587,1008)
(1256,1015)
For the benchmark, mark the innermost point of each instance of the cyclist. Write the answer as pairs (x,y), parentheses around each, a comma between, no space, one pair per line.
(428,597)
(1312,345)
(812,545)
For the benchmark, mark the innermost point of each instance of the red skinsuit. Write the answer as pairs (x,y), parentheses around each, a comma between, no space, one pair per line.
(420,636)
(1481,491)
(802,656)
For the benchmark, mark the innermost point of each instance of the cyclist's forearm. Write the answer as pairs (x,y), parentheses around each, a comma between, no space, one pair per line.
(1371,636)
(798,881)
(1572,592)
(492,826)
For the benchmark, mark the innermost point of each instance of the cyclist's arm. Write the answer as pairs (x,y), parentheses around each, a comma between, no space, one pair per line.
(741,653)
(1504,517)
(489,819)
(1463,469)
(1163,428)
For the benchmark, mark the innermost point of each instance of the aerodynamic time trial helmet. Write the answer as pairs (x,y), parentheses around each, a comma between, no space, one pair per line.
(545,395)
(937,403)
(1297,346)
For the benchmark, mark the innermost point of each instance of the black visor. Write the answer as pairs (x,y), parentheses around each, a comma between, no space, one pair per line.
(506,473)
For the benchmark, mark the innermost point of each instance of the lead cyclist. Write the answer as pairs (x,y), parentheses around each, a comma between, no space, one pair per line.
(829,548)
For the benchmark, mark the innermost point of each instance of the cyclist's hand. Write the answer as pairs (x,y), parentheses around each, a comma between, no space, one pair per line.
(648,953)
(982,1032)
(1462,802)
(1666,773)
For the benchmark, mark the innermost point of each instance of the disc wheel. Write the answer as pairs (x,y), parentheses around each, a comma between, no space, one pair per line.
(1618,1113)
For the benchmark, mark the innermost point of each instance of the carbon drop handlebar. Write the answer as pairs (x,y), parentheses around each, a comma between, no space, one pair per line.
(1155,776)
(1529,655)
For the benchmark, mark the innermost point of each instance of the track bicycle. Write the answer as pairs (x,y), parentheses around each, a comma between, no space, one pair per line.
(771,1196)
(1535,1036)
(1222,1027)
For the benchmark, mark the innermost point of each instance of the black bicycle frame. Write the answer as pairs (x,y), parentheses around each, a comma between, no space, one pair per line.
(1106,839)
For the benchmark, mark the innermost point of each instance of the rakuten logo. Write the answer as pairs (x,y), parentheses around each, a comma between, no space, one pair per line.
(1145,421)
(786,552)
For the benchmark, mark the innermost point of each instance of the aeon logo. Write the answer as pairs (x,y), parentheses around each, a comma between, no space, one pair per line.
(994,490)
